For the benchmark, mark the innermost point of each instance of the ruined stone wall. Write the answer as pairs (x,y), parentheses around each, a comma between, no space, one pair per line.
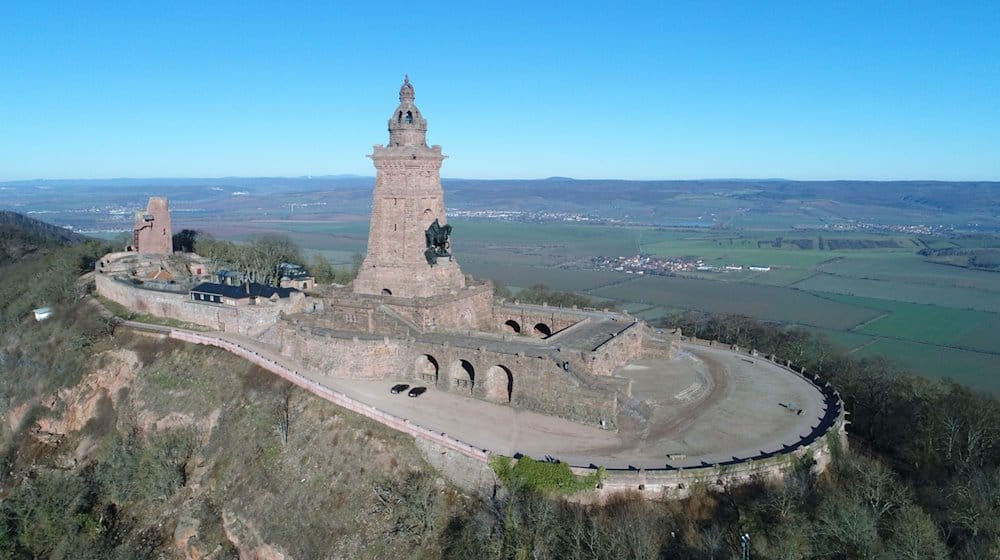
(152,233)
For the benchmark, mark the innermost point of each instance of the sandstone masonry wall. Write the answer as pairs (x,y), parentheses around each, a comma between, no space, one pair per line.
(533,383)
(248,320)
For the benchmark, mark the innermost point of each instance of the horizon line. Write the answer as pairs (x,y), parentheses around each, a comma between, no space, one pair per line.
(550,178)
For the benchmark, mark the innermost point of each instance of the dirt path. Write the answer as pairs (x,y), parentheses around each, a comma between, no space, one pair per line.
(718,390)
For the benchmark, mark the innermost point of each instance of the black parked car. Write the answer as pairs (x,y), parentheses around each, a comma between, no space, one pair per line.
(399,388)
(417,391)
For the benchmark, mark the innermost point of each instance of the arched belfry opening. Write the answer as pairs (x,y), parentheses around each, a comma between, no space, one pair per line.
(409,117)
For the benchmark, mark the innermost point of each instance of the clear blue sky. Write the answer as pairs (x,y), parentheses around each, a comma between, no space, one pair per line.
(635,90)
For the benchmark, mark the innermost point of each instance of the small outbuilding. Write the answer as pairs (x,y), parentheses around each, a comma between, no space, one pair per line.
(43,313)
(247,294)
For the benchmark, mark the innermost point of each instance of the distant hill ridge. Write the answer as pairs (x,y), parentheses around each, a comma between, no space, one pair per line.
(21,236)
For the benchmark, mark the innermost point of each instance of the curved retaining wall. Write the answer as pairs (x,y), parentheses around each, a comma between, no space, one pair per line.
(653,483)
(677,483)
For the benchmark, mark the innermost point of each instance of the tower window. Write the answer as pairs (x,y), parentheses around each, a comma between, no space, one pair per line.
(409,117)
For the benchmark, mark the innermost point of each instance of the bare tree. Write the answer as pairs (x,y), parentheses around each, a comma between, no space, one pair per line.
(282,414)
(915,537)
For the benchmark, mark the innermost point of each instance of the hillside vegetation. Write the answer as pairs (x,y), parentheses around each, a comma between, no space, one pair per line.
(21,236)
(121,445)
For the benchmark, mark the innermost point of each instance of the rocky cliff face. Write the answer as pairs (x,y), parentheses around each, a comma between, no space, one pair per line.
(180,451)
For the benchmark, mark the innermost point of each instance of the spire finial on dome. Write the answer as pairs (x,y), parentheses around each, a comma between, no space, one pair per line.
(406,90)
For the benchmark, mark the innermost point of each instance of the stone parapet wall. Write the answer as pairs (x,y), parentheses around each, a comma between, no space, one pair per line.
(625,346)
(829,432)
(661,343)
(250,320)
(163,304)
(677,483)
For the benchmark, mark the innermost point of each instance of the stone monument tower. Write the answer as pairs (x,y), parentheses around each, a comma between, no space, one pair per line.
(409,252)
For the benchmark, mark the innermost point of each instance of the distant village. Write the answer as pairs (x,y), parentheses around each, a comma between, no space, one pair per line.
(908,229)
(666,266)
(530,217)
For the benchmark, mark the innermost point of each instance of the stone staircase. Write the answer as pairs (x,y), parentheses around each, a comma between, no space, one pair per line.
(396,323)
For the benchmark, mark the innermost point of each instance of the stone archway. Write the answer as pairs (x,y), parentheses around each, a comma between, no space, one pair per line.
(425,368)
(499,384)
(462,376)
(512,326)
(542,330)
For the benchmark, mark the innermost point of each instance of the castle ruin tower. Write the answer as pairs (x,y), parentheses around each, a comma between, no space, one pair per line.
(151,234)
(409,252)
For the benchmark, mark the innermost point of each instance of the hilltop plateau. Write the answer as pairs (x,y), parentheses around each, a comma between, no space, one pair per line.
(117,444)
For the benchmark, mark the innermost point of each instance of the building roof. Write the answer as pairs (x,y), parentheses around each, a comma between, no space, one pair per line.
(293,271)
(240,292)
(160,274)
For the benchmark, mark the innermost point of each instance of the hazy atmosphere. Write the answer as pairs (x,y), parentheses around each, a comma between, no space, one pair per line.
(647,90)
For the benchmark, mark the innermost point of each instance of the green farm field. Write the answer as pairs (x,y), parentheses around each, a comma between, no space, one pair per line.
(944,326)
(849,340)
(975,369)
(941,295)
(769,303)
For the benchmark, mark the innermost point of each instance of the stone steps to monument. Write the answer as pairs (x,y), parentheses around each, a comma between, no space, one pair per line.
(408,327)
